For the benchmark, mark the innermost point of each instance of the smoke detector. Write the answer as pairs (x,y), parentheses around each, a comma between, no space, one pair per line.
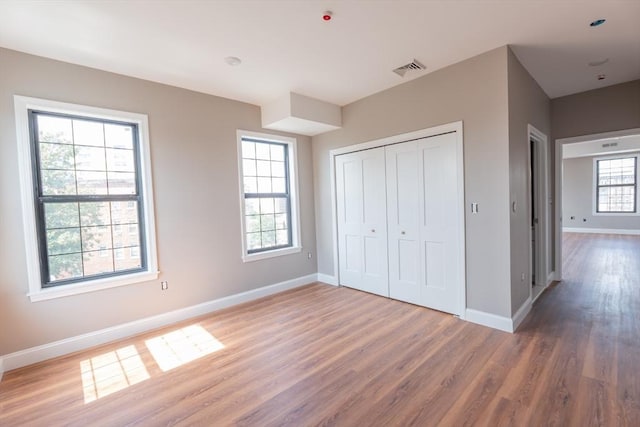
(414,65)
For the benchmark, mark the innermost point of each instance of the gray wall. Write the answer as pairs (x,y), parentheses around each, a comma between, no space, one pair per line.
(577,198)
(474,91)
(528,104)
(193,150)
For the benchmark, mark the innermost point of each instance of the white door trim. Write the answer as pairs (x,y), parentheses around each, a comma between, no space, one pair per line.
(559,143)
(396,139)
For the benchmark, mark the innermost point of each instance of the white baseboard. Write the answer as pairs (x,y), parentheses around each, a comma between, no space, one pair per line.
(325,278)
(487,319)
(69,345)
(520,315)
(600,230)
(551,277)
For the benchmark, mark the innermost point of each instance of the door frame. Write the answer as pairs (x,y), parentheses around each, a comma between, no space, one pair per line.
(543,229)
(397,139)
(559,143)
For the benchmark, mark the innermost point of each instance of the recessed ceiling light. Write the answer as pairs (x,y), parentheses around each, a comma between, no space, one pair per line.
(233,60)
(599,62)
(601,77)
(597,22)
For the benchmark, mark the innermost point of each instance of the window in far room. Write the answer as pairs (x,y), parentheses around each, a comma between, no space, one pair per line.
(616,185)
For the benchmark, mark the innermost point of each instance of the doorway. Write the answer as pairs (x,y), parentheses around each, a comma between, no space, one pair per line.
(539,213)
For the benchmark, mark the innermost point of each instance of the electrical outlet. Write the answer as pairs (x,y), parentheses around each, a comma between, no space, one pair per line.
(522,277)
(309,255)
(164,285)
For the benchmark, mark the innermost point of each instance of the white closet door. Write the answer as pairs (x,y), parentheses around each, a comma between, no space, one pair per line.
(362,224)
(439,228)
(403,219)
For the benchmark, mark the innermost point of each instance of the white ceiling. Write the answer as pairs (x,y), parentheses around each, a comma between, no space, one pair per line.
(286,46)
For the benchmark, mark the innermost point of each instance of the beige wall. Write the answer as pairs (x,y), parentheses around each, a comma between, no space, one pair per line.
(577,198)
(474,91)
(193,150)
(528,105)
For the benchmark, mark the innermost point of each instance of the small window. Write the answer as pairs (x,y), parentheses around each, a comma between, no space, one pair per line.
(269,203)
(82,180)
(616,185)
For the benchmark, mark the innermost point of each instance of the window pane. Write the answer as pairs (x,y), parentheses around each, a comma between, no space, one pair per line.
(118,136)
(281,221)
(65,266)
(94,263)
(264,185)
(263,151)
(94,213)
(263,168)
(267,222)
(92,183)
(90,158)
(120,160)
(55,182)
(249,167)
(94,238)
(266,205)
(277,169)
(63,241)
(268,239)
(251,206)
(281,205)
(277,152)
(125,213)
(252,223)
(250,185)
(278,185)
(122,183)
(60,215)
(124,237)
(56,156)
(282,237)
(130,259)
(54,129)
(248,150)
(88,133)
(253,241)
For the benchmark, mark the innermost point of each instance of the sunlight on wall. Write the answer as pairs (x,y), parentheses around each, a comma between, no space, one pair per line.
(176,348)
(110,372)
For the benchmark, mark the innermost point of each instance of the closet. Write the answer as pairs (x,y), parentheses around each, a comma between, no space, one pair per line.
(398,220)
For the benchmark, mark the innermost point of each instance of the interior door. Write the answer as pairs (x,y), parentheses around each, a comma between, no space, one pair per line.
(403,219)
(439,226)
(361,220)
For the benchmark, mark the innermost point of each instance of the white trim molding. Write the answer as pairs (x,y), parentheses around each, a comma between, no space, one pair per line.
(80,342)
(499,322)
(328,279)
(633,232)
(521,314)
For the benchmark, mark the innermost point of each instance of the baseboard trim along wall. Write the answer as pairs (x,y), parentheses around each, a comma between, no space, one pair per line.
(499,322)
(69,345)
(326,278)
(600,230)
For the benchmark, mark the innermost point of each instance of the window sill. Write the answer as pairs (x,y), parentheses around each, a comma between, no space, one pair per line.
(91,286)
(271,254)
(616,214)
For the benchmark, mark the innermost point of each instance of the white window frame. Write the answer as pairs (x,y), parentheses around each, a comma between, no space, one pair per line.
(594,186)
(296,243)
(22,105)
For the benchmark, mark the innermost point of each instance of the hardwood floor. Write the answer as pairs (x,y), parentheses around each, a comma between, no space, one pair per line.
(321,355)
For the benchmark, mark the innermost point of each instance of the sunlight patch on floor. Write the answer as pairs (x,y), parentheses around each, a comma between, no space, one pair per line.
(182,346)
(110,372)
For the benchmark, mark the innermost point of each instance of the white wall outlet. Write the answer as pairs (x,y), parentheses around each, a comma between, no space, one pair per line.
(164,285)
(309,255)
(522,277)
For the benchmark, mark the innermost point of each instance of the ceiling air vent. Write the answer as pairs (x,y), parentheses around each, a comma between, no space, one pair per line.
(610,144)
(414,65)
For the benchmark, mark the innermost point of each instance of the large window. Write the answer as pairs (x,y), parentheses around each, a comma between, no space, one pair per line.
(269,204)
(90,224)
(616,185)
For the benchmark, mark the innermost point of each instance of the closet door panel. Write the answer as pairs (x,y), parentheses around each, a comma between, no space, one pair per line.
(402,215)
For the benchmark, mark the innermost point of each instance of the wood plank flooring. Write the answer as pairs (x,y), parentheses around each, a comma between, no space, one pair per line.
(321,355)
